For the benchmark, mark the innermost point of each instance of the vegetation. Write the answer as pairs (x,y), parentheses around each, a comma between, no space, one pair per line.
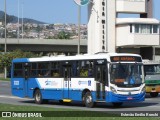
(63,35)
(6,59)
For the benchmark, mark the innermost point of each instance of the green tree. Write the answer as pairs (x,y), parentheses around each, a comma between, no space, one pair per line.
(6,59)
(63,35)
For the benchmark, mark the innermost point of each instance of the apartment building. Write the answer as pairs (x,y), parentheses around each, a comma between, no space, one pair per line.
(108,32)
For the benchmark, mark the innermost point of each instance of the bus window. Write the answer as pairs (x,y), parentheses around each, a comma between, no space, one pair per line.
(43,69)
(33,70)
(86,68)
(18,70)
(55,69)
(75,69)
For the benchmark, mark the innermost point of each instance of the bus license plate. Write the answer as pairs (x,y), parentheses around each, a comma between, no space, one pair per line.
(129,98)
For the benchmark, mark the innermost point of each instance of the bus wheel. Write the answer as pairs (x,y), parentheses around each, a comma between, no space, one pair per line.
(117,104)
(88,100)
(38,97)
(154,94)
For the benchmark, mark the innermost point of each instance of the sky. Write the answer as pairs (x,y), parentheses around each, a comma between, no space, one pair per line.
(54,11)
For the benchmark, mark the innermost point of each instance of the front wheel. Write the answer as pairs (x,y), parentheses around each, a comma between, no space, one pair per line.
(88,100)
(38,97)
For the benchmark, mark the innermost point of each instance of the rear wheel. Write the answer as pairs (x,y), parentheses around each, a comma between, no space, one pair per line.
(38,97)
(154,94)
(88,100)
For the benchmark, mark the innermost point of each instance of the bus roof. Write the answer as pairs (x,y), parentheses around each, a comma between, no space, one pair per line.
(76,57)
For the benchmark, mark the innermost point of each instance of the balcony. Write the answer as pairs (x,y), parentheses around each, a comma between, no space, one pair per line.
(131,6)
(137,32)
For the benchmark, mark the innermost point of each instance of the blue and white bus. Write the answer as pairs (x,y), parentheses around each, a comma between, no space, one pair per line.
(104,77)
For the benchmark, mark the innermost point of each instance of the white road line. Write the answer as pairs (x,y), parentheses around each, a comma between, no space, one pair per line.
(13,97)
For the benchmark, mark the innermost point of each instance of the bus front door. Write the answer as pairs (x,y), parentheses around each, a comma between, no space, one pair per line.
(100,82)
(67,82)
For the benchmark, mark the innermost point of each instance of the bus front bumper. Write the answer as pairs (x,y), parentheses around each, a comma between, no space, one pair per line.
(112,97)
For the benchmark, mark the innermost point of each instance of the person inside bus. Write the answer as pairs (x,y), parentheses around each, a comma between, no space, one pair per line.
(90,72)
(130,78)
(48,73)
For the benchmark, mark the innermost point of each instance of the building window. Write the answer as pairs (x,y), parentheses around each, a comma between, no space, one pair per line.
(155,28)
(130,28)
(145,28)
(136,28)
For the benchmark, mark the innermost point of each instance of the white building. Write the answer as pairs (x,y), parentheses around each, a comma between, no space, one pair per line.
(107,32)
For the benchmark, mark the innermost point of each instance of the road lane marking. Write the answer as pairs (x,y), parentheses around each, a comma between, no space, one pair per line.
(13,97)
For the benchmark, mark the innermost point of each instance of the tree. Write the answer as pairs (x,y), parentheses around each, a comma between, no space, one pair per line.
(63,35)
(6,59)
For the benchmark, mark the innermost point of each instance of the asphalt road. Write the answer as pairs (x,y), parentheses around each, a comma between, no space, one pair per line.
(150,104)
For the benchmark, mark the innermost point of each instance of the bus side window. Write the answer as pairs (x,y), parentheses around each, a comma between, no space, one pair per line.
(33,70)
(55,69)
(86,68)
(75,68)
(18,70)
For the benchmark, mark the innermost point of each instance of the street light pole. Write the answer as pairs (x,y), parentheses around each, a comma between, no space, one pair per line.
(18,23)
(79,28)
(22,20)
(5,45)
(5,48)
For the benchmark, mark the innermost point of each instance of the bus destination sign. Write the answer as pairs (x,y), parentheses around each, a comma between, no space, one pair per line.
(126,59)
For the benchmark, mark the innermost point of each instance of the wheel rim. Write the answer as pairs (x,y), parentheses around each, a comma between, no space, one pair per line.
(38,97)
(88,99)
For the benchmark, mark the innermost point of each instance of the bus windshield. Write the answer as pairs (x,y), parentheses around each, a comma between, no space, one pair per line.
(126,75)
(152,69)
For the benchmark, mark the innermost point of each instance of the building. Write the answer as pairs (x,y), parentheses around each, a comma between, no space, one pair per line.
(109,32)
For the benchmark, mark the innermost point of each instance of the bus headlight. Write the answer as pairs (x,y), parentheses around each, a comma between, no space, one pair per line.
(143,89)
(113,89)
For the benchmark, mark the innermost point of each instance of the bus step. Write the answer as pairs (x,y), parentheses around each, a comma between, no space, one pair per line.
(67,100)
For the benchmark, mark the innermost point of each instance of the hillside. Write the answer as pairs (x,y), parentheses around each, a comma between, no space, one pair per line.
(14,19)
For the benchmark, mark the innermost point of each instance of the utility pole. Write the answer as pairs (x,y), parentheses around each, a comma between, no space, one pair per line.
(80,3)
(79,28)
(5,45)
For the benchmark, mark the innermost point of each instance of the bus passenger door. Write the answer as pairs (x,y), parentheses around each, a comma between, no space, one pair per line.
(67,81)
(100,81)
(26,79)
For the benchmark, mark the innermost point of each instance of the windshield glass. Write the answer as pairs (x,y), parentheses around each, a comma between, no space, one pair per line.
(152,69)
(126,74)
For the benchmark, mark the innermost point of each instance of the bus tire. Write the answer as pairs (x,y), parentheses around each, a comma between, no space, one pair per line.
(38,97)
(88,100)
(117,104)
(154,94)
